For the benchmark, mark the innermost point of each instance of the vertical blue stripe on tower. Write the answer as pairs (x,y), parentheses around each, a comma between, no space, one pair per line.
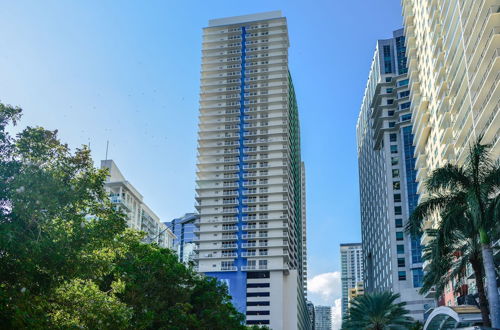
(237,280)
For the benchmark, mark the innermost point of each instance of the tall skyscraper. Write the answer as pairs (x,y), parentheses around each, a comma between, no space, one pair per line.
(351,259)
(139,216)
(183,229)
(323,318)
(453,61)
(388,190)
(249,179)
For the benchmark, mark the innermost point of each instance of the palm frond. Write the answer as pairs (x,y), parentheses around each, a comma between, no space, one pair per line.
(449,177)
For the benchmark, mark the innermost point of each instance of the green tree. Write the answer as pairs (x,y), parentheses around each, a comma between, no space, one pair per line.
(467,198)
(67,259)
(377,311)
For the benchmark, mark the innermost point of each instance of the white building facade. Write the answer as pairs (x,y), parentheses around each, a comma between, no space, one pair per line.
(351,262)
(249,180)
(387,175)
(139,216)
(454,70)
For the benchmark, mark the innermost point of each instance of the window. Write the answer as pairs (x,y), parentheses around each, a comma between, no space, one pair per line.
(388,90)
(403,82)
(397,210)
(405,117)
(404,94)
(393,137)
(399,236)
(395,173)
(400,249)
(396,185)
(257,312)
(405,105)
(418,277)
(390,101)
(392,124)
(401,262)
(257,294)
(388,79)
(390,113)
(399,223)
(397,198)
(262,264)
(257,303)
(402,275)
(257,285)
(394,149)
(394,161)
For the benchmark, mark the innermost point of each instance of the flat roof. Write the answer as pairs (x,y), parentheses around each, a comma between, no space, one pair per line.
(244,18)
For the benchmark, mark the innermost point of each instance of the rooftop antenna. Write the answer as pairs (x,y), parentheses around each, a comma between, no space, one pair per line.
(107,147)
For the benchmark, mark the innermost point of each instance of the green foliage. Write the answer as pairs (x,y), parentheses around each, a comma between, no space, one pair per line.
(467,202)
(377,311)
(67,258)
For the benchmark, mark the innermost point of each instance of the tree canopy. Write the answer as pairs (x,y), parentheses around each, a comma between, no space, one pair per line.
(67,259)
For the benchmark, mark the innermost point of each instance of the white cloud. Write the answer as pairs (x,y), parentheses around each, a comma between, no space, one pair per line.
(324,289)
(337,314)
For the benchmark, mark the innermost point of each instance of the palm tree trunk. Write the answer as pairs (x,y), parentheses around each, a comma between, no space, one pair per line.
(491,281)
(483,301)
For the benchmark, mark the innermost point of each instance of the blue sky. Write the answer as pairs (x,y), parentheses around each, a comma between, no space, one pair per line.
(128,72)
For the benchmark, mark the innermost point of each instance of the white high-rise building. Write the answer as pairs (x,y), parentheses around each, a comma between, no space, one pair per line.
(387,179)
(249,178)
(351,260)
(139,216)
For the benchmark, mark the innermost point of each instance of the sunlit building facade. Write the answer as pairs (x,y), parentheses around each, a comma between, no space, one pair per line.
(351,266)
(388,190)
(249,178)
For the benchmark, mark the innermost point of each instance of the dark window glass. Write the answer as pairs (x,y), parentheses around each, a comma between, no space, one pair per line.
(402,275)
(399,236)
(393,137)
(400,248)
(257,294)
(399,223)
(401,262)
(257,312)
(258,275)
(257,303)
(405,117)
(397,198)
(418,277)
(252,322)
(397,210)
(257,285)
(394,149)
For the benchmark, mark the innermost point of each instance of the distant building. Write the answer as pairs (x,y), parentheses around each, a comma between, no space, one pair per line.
(357,291)
(184,231)
(351,259)
(323,317)
(312,317)
(139,216)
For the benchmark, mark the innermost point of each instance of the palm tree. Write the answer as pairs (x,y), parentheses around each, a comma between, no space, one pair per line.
(448,254)
(468,200)
(377,311)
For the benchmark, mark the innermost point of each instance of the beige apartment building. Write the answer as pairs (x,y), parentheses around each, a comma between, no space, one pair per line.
(453,51)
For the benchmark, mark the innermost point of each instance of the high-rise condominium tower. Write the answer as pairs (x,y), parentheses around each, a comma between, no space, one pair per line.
(453,62)
(249,179)
(387,174)
(351,259)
